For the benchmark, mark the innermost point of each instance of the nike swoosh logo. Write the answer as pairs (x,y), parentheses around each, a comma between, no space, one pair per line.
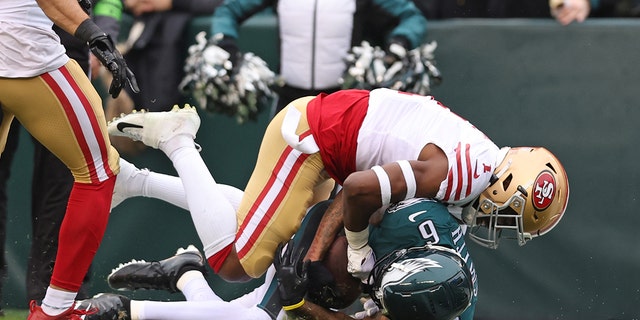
(123,125)
(413,216)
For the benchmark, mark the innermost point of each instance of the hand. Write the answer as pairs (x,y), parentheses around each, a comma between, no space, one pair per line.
(396,50)
(568,11)
(370,309)
(361,261)
(229,45)
(104,49)
(291,273)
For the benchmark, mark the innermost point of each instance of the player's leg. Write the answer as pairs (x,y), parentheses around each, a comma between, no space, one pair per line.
(135,182)
(284,183)
(180,272)
(209,210)
(62,110)
(113,306)
(173,133)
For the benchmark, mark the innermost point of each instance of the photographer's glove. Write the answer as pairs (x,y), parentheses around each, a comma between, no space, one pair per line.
(103,48)
(291,273)
(360,256)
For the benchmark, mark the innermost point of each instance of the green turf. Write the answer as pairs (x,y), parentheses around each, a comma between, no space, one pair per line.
(15,314)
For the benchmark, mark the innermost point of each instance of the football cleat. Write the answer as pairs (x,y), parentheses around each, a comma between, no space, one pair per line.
(154,128)
(106,306)
(36,313)
(157,275)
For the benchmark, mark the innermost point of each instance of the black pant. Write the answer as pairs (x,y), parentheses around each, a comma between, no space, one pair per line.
(287,93)
(5,171)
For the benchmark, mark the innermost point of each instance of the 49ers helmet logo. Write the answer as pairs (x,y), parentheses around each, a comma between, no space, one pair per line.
(544,190)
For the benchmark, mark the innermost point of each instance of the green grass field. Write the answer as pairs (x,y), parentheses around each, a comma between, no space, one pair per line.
(15,314)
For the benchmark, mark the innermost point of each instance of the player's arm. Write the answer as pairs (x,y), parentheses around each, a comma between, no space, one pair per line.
(70,16)
(67,14)
(328,228)
(311,311)
(369,190)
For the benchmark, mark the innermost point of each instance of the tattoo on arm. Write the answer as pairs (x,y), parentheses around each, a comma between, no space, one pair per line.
(329,227)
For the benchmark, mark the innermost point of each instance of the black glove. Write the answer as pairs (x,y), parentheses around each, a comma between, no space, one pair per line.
(85,4)
(230,45)
(396,50)
(104,49)
(291,273)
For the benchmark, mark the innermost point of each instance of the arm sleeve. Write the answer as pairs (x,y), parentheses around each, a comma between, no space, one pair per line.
(197,7)
(229,16)
(412,24)
(107,15)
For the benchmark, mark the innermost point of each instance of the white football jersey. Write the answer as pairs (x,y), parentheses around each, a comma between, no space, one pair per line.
(387,135)
(28,44)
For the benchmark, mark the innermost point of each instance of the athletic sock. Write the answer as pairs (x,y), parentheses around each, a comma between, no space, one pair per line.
(213,215)
(167,188)
(195,287)
(57,301)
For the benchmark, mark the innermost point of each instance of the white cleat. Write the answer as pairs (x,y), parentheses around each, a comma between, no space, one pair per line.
(154,128)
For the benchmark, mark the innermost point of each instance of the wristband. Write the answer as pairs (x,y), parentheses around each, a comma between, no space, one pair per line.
(88,30)
(357,239)
(294,306)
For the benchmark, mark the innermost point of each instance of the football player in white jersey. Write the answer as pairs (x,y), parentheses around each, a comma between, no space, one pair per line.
(382,146)
(56,103)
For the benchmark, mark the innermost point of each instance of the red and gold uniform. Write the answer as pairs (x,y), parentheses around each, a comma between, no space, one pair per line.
(318,138)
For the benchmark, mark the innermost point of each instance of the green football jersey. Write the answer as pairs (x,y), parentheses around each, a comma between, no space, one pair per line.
(417,222)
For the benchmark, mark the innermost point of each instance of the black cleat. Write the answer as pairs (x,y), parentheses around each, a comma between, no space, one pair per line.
(157,275)
(105,306)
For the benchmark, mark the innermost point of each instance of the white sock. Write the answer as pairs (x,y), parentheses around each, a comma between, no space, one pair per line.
(211,212)
(167,188)
(194,287)
(57,301)
(129,182)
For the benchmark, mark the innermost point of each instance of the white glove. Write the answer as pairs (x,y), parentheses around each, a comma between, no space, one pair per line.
(360,262)
(370,309)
